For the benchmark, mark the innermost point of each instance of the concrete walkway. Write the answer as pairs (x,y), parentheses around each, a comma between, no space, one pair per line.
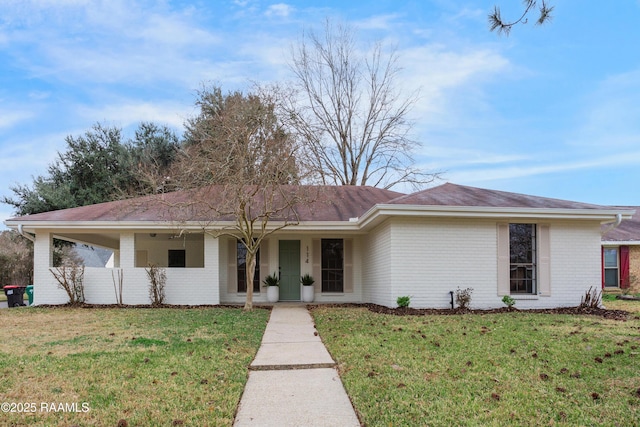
(293,380)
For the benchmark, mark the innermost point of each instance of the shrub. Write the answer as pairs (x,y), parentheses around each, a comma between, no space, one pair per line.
(508,301)
(463,297)
(592,298)
(118,288)
(71,279)
(403,301)
(157,281)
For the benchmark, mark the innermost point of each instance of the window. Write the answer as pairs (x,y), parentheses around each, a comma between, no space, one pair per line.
(332,265)
(611,267)
(242,269)
(523,258)
(177,258)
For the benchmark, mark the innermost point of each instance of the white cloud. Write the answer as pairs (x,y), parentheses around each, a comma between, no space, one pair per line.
(113,41)
(23,156)
(442,74)
(131,112)
(609,118)
(279,9)
(531,168)
(11,118)
(453,157)
(378,22)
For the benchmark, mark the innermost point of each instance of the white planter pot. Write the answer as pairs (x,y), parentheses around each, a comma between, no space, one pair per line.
(273,293)
(308,293)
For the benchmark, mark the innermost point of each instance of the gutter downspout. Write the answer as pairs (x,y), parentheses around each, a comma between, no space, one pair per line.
(25,235)
(615,224)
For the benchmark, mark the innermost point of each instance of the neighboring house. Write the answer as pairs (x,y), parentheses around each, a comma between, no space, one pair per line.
(361,244)
(621,255)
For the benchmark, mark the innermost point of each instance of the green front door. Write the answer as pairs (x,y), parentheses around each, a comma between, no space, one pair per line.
(289,256)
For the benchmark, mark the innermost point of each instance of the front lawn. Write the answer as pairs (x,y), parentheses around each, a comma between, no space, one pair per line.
(144,366)
(487,369)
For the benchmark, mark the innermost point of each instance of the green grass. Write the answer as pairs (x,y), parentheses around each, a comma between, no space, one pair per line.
(147,366)
(486,370)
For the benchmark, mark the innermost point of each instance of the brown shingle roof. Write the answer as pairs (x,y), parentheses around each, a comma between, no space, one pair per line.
(459,195)
(628,230)
(328,203)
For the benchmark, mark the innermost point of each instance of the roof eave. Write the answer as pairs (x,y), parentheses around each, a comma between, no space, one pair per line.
(620,242)
(374,215)
(32,226)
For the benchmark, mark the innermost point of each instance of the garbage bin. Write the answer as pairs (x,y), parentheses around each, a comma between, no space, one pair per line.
(30,294)
(14,295)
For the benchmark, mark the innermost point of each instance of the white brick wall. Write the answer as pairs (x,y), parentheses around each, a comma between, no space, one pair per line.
(423,258)
(187,286)
(376,266)
(430,257)
(45,287)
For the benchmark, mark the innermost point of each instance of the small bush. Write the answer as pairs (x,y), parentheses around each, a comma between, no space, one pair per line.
(118,288)
(157,281)
(71,279)
(463,297)
(592,298)
(508,301)
(403,301)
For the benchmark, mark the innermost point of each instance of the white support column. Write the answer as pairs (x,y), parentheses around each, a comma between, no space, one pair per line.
(45,286)
(127,253)
(212,269)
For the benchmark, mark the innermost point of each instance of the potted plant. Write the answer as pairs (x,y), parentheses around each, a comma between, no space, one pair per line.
(308,290)
(272,283)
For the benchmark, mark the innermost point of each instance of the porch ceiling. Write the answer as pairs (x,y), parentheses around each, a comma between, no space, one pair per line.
(98,239)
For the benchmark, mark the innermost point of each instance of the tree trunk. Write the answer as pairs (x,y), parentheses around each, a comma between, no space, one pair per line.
(251,269)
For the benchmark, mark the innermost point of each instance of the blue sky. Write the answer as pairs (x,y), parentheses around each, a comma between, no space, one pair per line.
(551,111)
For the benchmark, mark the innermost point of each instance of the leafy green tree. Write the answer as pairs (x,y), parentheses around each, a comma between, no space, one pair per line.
(151,153)
(96,167)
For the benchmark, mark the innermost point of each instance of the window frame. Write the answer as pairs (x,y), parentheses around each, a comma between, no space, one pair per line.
(528,283)
(609,268)
(332,273)
(241,273)
(176,258)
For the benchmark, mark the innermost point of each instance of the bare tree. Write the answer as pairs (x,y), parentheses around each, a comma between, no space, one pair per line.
(236,173)
(497,23)
(350,116)
(16,259)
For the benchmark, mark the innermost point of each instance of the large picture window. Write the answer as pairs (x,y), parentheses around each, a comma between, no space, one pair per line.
(523,258)
(332,265)
(242,269)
